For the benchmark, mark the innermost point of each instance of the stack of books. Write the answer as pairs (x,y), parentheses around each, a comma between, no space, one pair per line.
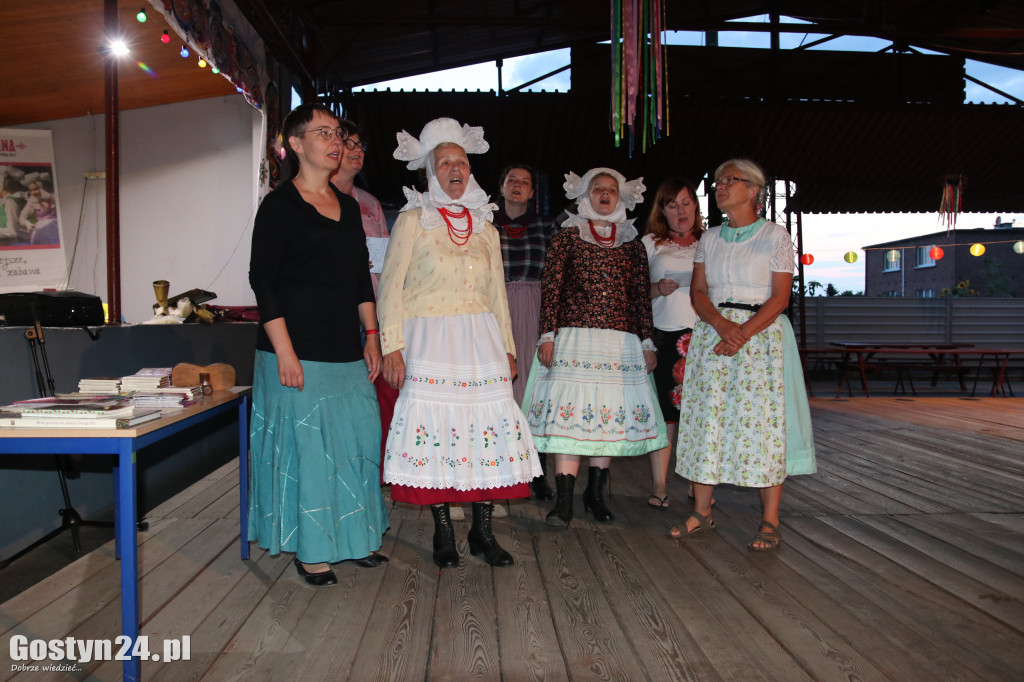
(102,385)
(148,378)
(166,397)
(54,413)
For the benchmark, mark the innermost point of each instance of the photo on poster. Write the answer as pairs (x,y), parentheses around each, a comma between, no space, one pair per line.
(28,219)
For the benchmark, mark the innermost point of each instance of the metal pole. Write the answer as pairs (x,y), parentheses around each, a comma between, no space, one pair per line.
(113,164)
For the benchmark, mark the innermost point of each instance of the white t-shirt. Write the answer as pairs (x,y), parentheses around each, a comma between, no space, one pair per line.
(671,261)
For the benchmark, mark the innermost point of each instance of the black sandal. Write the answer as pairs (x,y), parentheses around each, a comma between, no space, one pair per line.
(770,539)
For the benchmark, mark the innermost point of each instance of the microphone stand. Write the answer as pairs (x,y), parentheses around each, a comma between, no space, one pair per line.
(70,518)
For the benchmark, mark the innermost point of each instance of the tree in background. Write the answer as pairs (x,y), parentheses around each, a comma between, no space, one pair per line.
(993,280)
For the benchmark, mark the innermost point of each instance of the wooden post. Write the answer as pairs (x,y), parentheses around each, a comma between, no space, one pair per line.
(113,165)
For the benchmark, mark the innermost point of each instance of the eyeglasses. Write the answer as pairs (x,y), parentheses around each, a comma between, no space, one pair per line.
(327,134)
(352,144)
(725,182)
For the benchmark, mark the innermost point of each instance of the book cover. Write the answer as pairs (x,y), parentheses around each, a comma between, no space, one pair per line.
(140,417)
(79,412)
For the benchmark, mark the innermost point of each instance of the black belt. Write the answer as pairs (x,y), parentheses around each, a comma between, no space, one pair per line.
(752,307)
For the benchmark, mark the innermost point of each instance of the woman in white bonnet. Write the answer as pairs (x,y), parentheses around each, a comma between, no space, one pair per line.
(590,394)
(457,434)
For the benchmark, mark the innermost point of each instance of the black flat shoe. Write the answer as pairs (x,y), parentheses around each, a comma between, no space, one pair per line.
(316,579)
(373,561)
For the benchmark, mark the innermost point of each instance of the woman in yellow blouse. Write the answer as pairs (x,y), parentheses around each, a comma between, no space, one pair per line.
(457,434)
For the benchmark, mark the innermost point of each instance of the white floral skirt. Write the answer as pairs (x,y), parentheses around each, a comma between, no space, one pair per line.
(732,421)
(456,424)
(597,399)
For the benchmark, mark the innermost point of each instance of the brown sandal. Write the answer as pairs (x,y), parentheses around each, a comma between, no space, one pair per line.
(770,539)
(703,523)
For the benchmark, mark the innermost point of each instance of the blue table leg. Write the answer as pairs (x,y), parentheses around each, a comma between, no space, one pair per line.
(243,474)
(127,535)
(117,509)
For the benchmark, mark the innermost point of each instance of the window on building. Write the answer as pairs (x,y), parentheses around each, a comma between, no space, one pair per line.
(924,256)
(926,293)
(891,260)
(891,292)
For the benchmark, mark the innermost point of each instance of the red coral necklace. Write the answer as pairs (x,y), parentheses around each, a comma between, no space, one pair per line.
(603,241)
(515,231)
(454,233)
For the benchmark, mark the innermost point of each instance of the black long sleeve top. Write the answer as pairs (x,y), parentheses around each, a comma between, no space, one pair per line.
(312,271)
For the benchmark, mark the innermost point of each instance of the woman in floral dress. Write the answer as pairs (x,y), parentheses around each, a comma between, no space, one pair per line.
(744,418)
(590,394)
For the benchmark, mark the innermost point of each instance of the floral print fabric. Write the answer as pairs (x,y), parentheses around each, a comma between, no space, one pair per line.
(597,398)
(456,424)
(732,425)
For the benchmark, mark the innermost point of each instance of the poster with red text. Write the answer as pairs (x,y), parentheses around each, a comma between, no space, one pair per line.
(31,239)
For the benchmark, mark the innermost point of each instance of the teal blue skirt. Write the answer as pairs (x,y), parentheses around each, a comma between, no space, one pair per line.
(314,474)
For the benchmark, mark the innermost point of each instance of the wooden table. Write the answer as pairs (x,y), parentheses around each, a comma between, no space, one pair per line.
(125,444)
(935,355)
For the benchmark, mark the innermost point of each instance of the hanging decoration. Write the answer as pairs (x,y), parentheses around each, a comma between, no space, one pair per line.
(892,255)
(936,253)
(850,257)
(977,249)
(807,259)
(638,70)
(952,203)
(1018,247)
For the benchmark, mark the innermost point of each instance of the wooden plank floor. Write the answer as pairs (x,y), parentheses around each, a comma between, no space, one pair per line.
(902,559)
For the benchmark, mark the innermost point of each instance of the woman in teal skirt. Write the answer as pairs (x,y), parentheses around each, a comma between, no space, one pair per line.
(314,486)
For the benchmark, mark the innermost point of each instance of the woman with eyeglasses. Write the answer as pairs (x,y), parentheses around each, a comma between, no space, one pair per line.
(352,157)
(457,434)
(374,225)
(590,394)
(315,433)
(744,418)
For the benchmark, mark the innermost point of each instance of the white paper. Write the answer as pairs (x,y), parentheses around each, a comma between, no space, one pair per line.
(679,277)
(377,246)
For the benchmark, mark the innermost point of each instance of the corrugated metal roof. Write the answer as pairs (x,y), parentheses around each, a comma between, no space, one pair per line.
(843,157)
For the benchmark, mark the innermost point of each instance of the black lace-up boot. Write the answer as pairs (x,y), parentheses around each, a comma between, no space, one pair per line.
(481,538)
(593,496)
(561,515)
(539,486)
(445,554)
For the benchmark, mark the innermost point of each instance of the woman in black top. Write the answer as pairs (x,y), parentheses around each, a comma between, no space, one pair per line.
(315,431)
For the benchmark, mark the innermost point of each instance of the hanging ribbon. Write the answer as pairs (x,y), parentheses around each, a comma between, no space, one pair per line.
(638,70)
(952,203)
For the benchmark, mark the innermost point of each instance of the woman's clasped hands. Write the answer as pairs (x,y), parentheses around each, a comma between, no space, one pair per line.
(733,336)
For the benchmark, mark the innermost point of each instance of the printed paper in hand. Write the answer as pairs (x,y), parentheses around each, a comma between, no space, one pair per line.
(679,277)
(377,246)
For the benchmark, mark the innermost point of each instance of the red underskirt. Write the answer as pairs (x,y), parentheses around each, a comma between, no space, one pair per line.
(401,493)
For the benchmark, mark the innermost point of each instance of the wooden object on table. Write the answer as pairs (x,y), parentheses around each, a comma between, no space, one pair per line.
(222,375)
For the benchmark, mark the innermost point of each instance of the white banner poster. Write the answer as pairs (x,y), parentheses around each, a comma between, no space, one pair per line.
(31,239)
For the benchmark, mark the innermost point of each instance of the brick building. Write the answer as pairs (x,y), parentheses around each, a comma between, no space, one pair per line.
(905,267)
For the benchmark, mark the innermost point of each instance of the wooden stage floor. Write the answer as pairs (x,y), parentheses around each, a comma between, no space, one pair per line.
(902,559)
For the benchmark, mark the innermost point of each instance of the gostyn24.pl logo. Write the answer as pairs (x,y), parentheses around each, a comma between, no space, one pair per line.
(72,650)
